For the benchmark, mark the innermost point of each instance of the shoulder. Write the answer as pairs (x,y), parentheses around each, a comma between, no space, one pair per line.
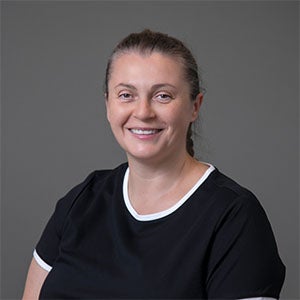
(100,177)
(242,243)
(228,200)
(95,180)
(222,183)
(227,190)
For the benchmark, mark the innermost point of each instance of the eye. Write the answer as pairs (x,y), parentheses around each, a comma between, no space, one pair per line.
(164,97)
(125,96)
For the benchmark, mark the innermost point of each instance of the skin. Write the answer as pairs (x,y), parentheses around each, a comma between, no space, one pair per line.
(149,92)
(35,279)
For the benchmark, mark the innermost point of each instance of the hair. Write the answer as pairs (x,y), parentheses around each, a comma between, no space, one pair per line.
(147,42)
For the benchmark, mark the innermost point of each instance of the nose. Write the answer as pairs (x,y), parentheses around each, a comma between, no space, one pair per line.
(143,109)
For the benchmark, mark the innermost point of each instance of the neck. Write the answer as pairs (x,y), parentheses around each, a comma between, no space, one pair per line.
(154,186)
(150,169)
(149,179)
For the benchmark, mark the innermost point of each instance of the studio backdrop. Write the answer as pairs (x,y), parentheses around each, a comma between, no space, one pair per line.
(53,124)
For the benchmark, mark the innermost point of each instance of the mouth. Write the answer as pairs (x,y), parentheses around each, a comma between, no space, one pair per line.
(144,131)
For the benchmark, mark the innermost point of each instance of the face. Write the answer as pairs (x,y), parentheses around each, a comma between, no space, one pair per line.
(149,107)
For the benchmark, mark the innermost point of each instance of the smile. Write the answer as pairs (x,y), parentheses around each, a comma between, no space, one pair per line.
(144,131)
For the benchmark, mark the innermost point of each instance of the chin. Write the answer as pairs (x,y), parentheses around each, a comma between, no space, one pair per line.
(144,156)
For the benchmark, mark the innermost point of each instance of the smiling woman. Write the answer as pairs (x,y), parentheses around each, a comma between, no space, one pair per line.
(161,225)
(149,107)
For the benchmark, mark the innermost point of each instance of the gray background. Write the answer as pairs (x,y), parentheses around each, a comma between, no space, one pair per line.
(54,130)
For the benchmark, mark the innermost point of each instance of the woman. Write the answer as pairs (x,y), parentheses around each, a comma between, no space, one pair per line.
(163,225)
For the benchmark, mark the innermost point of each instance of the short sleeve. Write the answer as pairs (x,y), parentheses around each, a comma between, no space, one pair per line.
(244,260)
(47,248)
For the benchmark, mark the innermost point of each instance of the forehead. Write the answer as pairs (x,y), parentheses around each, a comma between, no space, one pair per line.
(146,66)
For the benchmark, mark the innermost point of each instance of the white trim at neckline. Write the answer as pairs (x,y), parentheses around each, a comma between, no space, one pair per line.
(164,213)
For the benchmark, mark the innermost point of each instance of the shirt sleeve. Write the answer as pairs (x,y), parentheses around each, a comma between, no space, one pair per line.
(244,260)
(47,248)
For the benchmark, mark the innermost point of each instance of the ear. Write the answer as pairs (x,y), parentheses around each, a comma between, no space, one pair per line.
(196,106)
(107,107)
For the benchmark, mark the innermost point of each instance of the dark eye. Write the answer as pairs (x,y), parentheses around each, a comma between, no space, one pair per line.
(125,96)
(163,97)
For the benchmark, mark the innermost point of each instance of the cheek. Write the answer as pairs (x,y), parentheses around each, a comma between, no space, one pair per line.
(116,114)
(180,115)
(108,110)
(108,113)
(110,107)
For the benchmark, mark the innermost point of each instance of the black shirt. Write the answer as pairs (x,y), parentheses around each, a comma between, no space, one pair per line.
(218,244)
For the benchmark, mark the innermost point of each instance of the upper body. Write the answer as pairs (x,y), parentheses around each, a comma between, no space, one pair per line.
(217,244)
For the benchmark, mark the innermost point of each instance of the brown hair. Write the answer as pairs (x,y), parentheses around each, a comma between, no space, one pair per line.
(149,41)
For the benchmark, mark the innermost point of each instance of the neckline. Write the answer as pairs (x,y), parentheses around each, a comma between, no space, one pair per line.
(163,213)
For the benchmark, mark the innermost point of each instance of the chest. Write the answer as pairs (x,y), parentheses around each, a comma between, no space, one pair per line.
(107,254)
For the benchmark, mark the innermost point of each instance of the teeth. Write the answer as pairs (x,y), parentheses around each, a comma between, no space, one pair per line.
(144,131)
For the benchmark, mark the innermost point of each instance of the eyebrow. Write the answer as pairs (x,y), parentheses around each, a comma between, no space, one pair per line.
(161,85)
(154,87)
(128,86)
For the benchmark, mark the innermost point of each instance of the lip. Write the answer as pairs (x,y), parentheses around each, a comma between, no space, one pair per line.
(145,133)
